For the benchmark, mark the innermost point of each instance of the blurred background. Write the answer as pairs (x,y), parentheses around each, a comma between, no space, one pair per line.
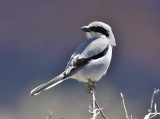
(37,38)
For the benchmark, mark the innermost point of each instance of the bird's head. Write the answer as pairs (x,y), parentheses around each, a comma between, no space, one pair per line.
(99,29)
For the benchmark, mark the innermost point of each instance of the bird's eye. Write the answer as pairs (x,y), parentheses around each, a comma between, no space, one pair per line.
(93,29)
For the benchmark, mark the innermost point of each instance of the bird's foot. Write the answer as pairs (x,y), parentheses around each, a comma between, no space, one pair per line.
(90,86)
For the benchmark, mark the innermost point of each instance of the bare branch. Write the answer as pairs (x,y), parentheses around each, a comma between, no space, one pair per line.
(94,109)
(152,114)
(91,89)
(155,108)
(103,115)
(124,106)
(152,99)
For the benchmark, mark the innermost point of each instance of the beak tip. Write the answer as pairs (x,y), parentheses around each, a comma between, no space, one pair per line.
(85,28)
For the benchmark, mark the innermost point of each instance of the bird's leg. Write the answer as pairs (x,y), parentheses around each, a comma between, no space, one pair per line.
(90,86)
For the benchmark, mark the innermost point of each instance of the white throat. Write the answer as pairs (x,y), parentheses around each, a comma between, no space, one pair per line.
(92,34)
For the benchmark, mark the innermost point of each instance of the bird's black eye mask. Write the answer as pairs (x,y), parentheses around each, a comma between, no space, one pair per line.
(100,30)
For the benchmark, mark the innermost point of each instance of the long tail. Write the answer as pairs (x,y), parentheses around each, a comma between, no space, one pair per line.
(48,85)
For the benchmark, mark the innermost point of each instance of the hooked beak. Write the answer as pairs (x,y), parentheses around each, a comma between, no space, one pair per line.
(85,28)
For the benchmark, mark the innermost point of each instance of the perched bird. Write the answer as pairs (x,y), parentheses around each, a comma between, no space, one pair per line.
(91,59)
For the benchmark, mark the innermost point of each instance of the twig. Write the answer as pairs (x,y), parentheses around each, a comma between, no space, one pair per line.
(103,115)
(152,114)
(91,88)
(94,111)
(127,117)
(151,105)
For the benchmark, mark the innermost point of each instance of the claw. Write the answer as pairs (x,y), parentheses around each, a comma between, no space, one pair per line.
(90,86)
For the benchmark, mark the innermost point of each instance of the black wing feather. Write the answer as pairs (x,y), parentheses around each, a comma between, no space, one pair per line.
(83,61)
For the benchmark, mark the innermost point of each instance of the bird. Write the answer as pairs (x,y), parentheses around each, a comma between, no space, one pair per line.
(91,59)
